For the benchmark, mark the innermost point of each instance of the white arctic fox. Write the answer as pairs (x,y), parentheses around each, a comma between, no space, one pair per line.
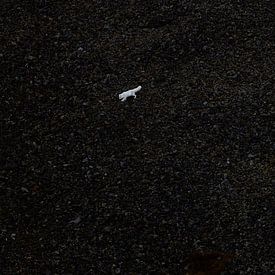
(123,96)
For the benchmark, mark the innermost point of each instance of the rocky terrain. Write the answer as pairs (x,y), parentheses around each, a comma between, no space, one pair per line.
(175,181)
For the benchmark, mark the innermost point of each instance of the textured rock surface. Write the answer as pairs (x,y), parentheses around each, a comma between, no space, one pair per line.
(92,185)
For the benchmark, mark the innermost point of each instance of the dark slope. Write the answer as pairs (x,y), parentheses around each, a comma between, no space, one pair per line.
(92,185)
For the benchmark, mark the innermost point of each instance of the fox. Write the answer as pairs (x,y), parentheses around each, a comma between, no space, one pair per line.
(123,96)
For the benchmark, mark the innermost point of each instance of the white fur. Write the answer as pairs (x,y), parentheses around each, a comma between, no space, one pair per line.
(123,96)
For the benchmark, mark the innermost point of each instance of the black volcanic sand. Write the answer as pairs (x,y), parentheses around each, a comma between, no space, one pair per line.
(92,185)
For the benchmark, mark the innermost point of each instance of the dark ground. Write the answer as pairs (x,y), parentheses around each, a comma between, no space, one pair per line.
(91,185)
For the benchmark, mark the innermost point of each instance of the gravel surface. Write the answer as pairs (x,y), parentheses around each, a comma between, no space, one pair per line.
(176,181)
